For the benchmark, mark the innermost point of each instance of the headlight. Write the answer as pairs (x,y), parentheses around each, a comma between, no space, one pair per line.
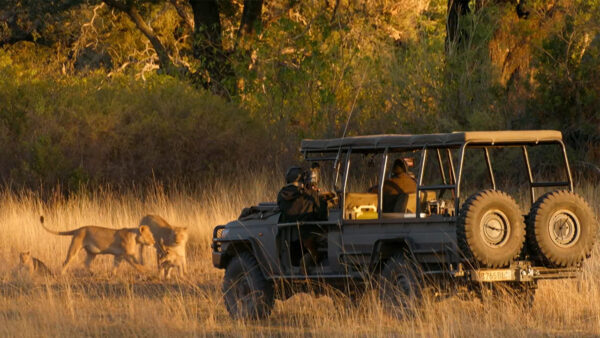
(224,233)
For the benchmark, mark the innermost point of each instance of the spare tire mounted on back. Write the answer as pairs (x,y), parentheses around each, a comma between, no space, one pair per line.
(490,230)
(561,229)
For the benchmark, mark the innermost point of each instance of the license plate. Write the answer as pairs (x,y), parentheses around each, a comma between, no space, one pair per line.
(494,275)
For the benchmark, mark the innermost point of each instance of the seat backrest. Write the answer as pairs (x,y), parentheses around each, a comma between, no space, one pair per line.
(411,200)
(400,202)
(411,203)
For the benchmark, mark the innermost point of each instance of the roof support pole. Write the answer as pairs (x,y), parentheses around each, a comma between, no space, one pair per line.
(461,159)
(420,181)
(488,161)
(345,183)
(529,174)
(567,167)
(336,168)
(384,162)
(441,164)
(452,171)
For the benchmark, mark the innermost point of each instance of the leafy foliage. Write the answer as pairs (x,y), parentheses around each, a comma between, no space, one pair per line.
(86,100)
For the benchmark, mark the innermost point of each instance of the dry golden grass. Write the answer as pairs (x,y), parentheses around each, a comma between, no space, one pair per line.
(132,306)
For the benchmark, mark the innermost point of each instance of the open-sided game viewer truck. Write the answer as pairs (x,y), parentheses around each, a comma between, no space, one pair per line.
(441,234)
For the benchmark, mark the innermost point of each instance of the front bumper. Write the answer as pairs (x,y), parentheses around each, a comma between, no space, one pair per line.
(218,260)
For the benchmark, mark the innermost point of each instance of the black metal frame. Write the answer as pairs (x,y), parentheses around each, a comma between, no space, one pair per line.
(532,184)
(454,182)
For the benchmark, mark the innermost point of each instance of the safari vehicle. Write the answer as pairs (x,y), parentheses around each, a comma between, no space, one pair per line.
(458,229)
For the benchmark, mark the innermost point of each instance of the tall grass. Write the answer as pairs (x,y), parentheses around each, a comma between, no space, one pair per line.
(96,306)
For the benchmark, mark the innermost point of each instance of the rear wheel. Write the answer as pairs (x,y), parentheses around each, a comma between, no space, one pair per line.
(401,286)
(561,229)
(490,230)
(247,293)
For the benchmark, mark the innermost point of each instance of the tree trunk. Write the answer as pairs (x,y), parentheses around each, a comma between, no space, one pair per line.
(207,28)
(456,9)
(208,46)
(251,16)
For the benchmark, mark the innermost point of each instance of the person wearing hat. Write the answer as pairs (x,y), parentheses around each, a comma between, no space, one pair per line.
(398,186)
(298,203)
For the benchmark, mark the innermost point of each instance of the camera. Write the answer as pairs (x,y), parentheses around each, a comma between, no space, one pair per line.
(310,177)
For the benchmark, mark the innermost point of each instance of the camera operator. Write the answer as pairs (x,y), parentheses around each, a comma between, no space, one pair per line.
(299,199)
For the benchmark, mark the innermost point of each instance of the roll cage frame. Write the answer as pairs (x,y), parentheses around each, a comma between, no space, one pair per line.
(453,182)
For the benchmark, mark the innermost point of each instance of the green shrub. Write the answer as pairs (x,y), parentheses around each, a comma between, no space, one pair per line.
(90,129)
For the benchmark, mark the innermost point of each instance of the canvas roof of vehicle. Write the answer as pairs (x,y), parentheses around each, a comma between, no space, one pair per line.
(507,137)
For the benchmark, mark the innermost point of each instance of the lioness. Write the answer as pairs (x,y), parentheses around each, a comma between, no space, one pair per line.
(98,240)
(33,265)
(175,238)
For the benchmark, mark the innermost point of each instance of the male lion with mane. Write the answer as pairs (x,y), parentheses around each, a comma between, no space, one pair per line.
(96,240)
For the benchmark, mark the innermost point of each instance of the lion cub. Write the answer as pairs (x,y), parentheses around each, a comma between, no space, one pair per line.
(173,237)
(120,243)
(33,265)
(170,259)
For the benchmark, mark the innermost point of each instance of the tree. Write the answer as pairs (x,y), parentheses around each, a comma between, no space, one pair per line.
(460,8)
(24,19)
(130,8)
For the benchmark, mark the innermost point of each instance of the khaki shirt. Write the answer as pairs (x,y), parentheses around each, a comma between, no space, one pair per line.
(397,187)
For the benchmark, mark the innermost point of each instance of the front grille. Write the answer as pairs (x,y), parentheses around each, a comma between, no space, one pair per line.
(217,235)
(219,232)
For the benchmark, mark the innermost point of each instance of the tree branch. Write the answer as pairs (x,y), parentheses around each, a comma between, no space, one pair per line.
(183,13)
(163,56)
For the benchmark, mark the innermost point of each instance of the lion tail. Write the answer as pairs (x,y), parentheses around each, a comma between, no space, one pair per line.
(59,233)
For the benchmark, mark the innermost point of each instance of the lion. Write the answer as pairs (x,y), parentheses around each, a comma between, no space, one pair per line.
(33,265)
(175,238)
(96,240)
(170,259)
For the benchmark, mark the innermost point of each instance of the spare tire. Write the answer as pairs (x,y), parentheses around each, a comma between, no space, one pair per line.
(561,229)
(490,231)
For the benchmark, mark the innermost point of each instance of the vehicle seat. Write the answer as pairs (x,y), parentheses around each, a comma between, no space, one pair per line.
(407,203)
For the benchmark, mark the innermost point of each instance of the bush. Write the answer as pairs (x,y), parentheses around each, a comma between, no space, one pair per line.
(89,129)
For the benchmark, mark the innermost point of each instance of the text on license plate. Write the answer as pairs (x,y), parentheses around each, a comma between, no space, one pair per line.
(495,275)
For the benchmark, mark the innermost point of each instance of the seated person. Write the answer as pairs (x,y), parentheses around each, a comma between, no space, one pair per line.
(397,187)
(298,203)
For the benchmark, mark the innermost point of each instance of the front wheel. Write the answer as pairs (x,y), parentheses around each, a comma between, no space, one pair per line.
(247,293)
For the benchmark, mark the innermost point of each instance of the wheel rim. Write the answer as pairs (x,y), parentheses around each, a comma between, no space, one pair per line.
(495,228)
(564,228)
(403,284)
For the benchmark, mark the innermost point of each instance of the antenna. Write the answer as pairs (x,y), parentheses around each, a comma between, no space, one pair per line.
(337,158)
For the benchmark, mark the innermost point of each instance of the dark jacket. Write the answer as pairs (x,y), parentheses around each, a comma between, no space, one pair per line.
(300,205)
